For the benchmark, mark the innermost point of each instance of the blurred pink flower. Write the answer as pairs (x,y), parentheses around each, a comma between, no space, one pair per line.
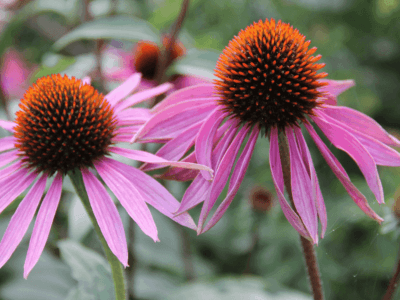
(268,83)
(64,125)
(14,74)
(144,59)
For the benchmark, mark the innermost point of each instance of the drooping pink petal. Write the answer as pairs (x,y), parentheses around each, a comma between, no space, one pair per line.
(19,222)
(345,141)
(124,89)
(186,94)
(133,116)
(382,154)
(107,216)
(9,170)
(317,194)
(151,158)
(277,177)
(7,143)
(236,179)
(180,174)
(7,157)
(171,122)
(7,125)
(129,197)
(221,176)
(224,142)
(197,192)
(142,96)
(43,223)
(336,87)
(153,192)
(13,186)
(362,123)
(127,130)
(341,174)
(302,188)
(205,140)
(176,148)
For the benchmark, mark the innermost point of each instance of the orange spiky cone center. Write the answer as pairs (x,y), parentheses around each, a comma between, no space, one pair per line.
(63,124)
(268,76)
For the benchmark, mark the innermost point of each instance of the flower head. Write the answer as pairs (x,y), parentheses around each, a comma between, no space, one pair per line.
(268,80)
(144,58)
(65,126)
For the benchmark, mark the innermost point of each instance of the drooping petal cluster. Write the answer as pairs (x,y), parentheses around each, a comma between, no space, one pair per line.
(53,111)
(213,119)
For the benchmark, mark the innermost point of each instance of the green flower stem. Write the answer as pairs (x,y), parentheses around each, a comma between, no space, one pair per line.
(116,266)
(307,246)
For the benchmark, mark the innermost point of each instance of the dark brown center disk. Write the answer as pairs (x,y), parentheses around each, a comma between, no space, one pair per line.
(63,125)
(269,76)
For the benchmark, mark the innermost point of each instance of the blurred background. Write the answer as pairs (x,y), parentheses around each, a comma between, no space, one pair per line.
(253,252)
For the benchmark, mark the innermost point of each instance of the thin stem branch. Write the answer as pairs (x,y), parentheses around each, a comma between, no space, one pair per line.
(307,246)
(394,282)
(130,272)
(166,52)
(116,266)
(186,253)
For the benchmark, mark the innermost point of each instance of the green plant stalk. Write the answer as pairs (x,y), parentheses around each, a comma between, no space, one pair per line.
(116,266)
(307,246)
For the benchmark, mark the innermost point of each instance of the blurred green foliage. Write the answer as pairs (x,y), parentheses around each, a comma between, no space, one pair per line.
(357,39)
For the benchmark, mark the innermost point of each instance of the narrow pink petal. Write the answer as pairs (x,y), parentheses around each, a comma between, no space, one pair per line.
(277,176)
(153,192)
(341,174)
(345,141)
(361,123)
(142,96)
(223,143)
(171,122)
(13,186)
(7,157)
(317,194)
(185,94)
(328,99)
(302,188)
(43,223)
(197,192)
(7,125)
(127,129)
(107,216)
(19,222)
(221,176)
(336,87)
(151,158)
(176,148)
(236,179)
(133,116)
(205,140)
(181,174)
(7,143)
(9,170)
(382,154)
(124,89)
(129,197)
(86,80)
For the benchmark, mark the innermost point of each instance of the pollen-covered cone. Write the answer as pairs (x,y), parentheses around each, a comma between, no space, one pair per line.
(64,125)
(269,83)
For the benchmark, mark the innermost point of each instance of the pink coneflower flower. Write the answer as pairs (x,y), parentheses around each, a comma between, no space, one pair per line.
(144,58)
(269,84)
(64,125)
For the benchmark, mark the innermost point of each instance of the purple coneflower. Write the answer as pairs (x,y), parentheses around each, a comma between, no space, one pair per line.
(144,58)
(64,125)
(269,84)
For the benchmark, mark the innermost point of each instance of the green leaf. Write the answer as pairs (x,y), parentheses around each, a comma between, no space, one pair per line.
(244,287)
(119,28)
(199,63)
(66,9)
(52,64)
(90,270)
